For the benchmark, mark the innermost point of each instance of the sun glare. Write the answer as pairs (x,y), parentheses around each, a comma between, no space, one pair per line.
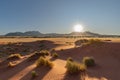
(78,28)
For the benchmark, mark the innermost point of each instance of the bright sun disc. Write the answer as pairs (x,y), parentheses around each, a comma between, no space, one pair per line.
(78,28)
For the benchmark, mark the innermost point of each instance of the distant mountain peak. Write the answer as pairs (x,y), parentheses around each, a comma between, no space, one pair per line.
(86,33)
(27,33)
(38,34)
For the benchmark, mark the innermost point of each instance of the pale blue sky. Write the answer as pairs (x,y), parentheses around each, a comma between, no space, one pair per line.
(51,16)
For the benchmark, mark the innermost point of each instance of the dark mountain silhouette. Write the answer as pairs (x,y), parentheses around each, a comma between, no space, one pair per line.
(86,33)
(15,34)
(28,33)
(33,33)
(38,34)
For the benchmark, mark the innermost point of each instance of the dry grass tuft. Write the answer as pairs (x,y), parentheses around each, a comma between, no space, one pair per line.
(14,56)
(10,64)
(34,74)
(89,61)
(44,62)
(54,55)
(74,67)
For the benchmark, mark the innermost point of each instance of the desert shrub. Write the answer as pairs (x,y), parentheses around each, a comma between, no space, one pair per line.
(49,64)
(54,55)
(26,50)
(69,43)
(9,44)
(35,56)
(44,52)
(34,74)
(83,67)
(74,67)
(10,64)
(62,50)
(88,61)
(14,56)
(44,62)
(40,62)
(52,50)
(80,42)
(69,59)
(41,45)
(107,40)
(94,41)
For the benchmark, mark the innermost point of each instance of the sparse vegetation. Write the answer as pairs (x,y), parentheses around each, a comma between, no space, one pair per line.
(76,64)
(44,62)
(26,50)
(107,40)
(62,49)
(69,43)
(52,50)
(88,61)
(9,44)
(10,64)
(54,55)
(40,62)
(14,56)
(74,67)
(85,42)
(69,59)
(94,41)
(44,52)
(41,45)
(34,74)
(80,42)
(49,64)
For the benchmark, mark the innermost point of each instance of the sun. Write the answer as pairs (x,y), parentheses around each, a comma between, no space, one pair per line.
(78,28)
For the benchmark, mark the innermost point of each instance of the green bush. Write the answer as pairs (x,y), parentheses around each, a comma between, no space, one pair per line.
(88,61)
(54,55)
(34,74)
(44,62)
(74,67)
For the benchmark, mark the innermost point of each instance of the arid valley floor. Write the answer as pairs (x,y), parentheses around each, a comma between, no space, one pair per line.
(106,55)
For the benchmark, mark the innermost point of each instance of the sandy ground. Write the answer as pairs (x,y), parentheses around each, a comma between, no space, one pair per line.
(63,40)
(106,55)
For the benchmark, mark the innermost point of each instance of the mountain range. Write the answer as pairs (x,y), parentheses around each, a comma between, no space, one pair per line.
(39,34)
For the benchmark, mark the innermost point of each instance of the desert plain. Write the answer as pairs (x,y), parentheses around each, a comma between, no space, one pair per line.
(106,56)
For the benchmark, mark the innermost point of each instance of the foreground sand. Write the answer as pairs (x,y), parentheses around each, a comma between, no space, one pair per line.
(106,55)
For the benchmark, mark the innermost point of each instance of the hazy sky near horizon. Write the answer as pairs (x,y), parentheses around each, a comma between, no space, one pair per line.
(51,16)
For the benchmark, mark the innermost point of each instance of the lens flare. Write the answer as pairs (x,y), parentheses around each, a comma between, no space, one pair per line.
(78,28)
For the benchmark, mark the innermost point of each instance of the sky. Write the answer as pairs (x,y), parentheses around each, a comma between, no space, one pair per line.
(59,16)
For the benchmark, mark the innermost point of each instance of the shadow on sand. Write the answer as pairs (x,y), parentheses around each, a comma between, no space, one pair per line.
(98,52)
(8,72)
(41,72)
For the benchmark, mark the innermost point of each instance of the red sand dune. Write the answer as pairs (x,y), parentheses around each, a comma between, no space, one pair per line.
(106,55)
